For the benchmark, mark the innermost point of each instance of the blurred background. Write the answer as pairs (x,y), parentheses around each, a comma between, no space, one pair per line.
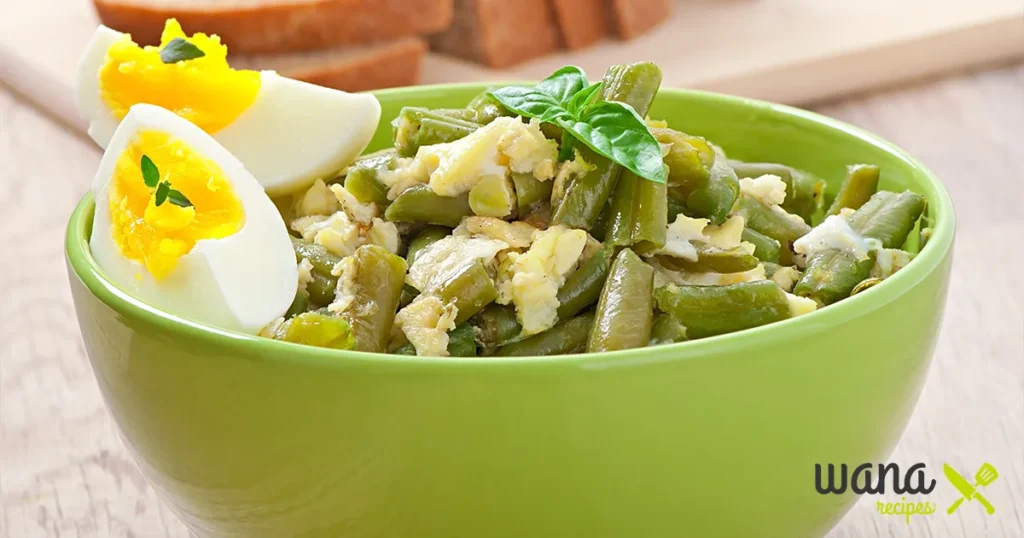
(792,51)
(943,79)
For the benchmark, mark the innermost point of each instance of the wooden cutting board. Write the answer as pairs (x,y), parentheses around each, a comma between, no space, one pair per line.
(792,51)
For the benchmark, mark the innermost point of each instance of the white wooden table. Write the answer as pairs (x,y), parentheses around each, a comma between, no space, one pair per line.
(63,472)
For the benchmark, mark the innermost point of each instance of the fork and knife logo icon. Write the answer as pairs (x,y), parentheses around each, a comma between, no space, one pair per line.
(968,492)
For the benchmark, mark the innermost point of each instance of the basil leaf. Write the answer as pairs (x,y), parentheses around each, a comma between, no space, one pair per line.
(563,84)
(615,130)
(150,173)
(175,197)
(582,98)
(525,101)
(161,193)
(179,50)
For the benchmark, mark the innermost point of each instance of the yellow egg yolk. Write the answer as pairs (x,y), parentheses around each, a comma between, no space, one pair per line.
(157,236)
(202,90)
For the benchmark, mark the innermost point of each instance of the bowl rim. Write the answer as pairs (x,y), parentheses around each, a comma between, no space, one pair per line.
(83,266)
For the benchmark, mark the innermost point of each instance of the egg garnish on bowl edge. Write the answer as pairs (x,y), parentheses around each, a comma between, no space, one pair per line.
(287,133)
(184,227)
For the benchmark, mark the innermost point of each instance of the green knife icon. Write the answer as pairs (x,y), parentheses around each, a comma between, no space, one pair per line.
(969,491)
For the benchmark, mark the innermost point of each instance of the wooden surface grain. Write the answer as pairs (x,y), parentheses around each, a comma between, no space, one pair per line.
(64,473)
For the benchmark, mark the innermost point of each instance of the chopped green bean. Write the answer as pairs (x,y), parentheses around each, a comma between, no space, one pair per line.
(416,127)
(321,288)
(299,304)
(426,237)
(583,287)
(530,192)
(323,260)
(639,214)
(313,329)
(470,291)
(831,275)
(461,342)
(493,196)
(362,178)
(407,349)
(666,329)
(569,336)
(420,203)
(857,188)
(625,311)
(711,259)
(804,191)
(486,109)
(713,310)
(496,326)
(766,249)
(373,279)
(772,223)
(888,217)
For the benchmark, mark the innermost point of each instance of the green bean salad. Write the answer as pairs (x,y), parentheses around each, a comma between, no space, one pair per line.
(559,219)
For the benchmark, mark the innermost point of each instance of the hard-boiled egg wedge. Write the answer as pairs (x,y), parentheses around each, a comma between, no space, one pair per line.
(287,133)
(184,227)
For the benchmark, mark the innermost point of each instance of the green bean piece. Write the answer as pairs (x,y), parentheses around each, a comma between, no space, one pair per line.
(471,290)
(323,260)
(713,310)
(677,207)
(569,336)
(313,329)
(770,268)
(362,178)
(804,191)
(407,349)
(493,196)
(625,311)
(486,109)
(888,217)
(322,288)
(666,329)
(711,259)
(420,203)
(639,214)
(376,288)
(831,275)
(766,249)
(496,326)
(865,284)
(461,341)
(857,188)
(636,85)
(426,237)
(583,287)
(530,192)
(699,175)
(416,127)
(409,294)
(299,304)
(766,221)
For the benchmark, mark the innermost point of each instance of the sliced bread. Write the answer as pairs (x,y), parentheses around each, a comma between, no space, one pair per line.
(581,22)
(275,26)
(351,68)
(634,17)
(499,33)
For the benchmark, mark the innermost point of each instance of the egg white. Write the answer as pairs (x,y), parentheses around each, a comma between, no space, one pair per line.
(292,134)
(241,282)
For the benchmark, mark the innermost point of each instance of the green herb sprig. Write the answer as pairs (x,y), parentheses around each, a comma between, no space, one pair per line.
(610,128)
(164,192)
(178,50)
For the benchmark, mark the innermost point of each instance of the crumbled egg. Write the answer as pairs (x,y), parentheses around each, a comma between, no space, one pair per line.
(568,171)
(454,168)
(345,291)
(285,132)
(786,277)
(357,211)
(384,234)
(442,260)
(888,261)
(799,306)
(317,200)
(199,261)
(833,233)
(537,274)
(727,235)
(769,189)
(426,322)
(336,232)
(516,234)
(680,235)
(305,273)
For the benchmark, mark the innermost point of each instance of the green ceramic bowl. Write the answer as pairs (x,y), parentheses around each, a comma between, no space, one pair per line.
(249,438)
